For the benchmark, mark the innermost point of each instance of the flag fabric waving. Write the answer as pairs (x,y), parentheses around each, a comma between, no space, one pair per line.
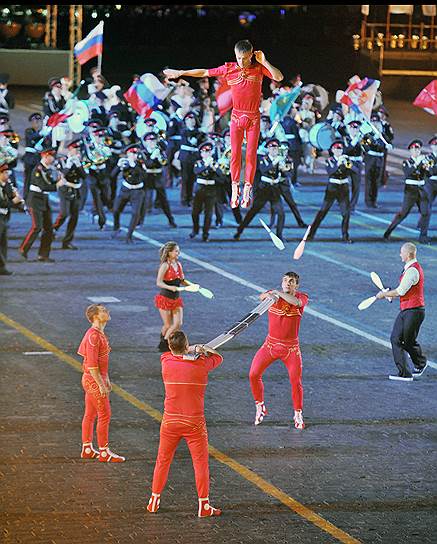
(282,104)
(145,94)
(427,98)
(91,46)
(360,95)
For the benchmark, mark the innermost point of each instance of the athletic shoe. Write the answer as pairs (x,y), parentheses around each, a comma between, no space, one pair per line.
(154,501)
(298,420)
(261,412)
(107,456)
(235,198)
(88,452)
(401,378)
(417,372)
(206,510)
(246,201)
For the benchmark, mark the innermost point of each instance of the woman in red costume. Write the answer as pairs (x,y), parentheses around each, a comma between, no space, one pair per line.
(169,303)
(245,79)
(95,349)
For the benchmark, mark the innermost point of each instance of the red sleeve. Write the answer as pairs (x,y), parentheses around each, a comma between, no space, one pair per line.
(220,71)
(266,72)
(303,297)
(92,350)
(212,361)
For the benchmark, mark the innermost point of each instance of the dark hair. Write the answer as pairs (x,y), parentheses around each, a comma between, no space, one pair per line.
(292,275)
(244,46)
(177,342)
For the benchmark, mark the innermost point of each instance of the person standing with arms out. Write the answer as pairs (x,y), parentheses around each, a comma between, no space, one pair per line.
(95,349)
(245,79)
(409,320)
(282,342)
(168,301)
(185,382)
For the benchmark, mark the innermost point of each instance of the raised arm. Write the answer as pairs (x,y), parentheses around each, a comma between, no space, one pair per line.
(276,73)
(195,72)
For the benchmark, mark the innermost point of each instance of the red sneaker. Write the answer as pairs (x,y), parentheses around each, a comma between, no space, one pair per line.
(206,510)
(261,412)
(154,501)
(88,452)
(107,456)
(246,201)
(235,197)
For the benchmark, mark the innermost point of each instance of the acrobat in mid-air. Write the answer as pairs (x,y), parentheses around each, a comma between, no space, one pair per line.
(245,78)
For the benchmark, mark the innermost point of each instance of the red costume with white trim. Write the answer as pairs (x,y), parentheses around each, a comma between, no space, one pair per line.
(95,349)
(170,300)
(282,342)
(185,385)
(246,86)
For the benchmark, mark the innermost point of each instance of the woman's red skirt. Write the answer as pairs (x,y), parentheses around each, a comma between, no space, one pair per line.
(165,303)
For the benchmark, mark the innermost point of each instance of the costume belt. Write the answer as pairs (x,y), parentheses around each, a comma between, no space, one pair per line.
(358,158)
(290,136)
(270,181)
(188,148)
(129,186)
(433,178)
(338,181)
(203,181)
(154,170)
(30,150)
(375,153)
(36,189)
(74,185)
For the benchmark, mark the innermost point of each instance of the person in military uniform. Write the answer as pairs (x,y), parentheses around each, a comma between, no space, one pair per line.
(267,189)
(155,160)
(353,149)
(69,194)
(43,181)
(375,150)
(339,168)
(32,137)
(131,190)
(208,175)
(53,101)
(191,138)
(416,169)
(291,130)
(9,197)
(430,183)
(174,136)
(7,100)
(388,133)
(9,141)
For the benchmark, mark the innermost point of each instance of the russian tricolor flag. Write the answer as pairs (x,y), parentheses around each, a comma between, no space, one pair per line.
(145,94)
(91,46)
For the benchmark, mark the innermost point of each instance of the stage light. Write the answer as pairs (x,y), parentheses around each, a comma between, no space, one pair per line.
(401,41)
(94,14)
(118,7)
(393,41)
(414,41)
(356,41)
(424,42)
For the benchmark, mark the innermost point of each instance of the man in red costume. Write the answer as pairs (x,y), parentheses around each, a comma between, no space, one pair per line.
(407,325)
(95,349)
(282,342)
(185,383)
(245,79)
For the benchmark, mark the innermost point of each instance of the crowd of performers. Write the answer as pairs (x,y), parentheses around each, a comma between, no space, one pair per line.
(119,158)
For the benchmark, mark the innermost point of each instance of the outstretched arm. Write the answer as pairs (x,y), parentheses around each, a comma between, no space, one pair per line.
(175,74)
(276,73)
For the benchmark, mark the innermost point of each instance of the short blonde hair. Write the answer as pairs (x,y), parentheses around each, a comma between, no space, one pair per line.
(93,310)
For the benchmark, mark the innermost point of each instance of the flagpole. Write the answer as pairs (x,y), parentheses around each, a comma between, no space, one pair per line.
(99,64)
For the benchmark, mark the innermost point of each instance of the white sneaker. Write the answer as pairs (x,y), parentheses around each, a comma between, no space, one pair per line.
(235,197)
(298,420)
(246,201)
(261,411)
(401,378)
(417,372)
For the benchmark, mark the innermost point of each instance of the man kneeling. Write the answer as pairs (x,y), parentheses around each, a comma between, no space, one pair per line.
(185,380)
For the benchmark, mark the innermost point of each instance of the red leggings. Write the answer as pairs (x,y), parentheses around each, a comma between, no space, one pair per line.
(264,357)
(193,429)
(249,123)
(95,406)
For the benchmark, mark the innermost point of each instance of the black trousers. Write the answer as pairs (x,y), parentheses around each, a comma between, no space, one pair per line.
(188,179)
(296,157)
(413,195)
(404,340)
(339,193)
(67,209)
(136,198)
(265,193)
(374,171)
(223,190)
(41,221)
(155,182)
(3,240)
(431,192)
(285,191)
(99,187)
(204,198)
(355,186)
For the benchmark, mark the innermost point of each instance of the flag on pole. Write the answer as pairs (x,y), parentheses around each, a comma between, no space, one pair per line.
(427,98)
(91,46)
(223,96)
(145,94)
(282,104)
(360,95)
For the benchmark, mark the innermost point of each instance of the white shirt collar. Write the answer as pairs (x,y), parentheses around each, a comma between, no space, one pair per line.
(409,263)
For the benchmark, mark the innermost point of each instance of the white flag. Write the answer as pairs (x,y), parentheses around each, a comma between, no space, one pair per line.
(401,9)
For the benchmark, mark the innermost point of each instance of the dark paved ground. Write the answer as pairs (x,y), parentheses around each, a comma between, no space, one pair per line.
(366,463)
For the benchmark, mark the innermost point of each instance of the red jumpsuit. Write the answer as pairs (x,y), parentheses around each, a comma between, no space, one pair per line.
(95,349)
(185,385)
(170,300)
(282,342)
(246,84)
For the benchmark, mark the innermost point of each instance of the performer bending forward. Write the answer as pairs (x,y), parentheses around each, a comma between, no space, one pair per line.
(168,301)
(95,349)
(185,383)
(282,342)
(245,79)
